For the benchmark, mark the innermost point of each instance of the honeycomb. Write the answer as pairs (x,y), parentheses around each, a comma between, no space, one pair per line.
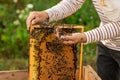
(49,58)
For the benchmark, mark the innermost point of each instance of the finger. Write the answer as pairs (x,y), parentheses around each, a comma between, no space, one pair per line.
(66,37)
(57,33)
(31,16)
(68,42)
(28,21)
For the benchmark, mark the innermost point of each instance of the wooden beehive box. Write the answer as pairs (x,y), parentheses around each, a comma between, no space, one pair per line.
(88,74)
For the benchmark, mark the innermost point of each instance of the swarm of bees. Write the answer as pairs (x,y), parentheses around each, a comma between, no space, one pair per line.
(49,59)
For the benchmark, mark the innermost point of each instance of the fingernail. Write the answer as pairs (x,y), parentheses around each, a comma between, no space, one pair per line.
(33,22)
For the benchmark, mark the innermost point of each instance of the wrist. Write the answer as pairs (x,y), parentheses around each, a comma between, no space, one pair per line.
(45,15)
(83,38)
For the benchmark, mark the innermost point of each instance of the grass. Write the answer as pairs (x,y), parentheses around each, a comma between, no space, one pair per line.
(13,64)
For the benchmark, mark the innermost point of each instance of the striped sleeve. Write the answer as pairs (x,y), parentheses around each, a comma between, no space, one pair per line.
(63,9)
(103,32)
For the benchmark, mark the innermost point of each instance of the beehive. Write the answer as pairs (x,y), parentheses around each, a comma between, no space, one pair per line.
(49,59)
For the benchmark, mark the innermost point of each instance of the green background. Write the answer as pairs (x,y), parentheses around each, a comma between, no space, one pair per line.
(14,37)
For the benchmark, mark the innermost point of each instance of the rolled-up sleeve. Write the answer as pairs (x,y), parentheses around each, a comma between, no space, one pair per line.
(107,31)
(63,9)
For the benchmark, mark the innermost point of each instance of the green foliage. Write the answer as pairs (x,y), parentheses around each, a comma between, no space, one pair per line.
(86,16)
(14,37)
(13,33)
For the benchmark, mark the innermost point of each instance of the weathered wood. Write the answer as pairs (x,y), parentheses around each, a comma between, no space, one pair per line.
(14,75)
(89,73)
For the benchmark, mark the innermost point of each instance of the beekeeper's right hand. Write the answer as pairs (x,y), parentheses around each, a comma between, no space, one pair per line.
(36,17)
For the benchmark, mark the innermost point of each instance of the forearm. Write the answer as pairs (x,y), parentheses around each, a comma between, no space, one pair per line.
(63,9)
(104,32)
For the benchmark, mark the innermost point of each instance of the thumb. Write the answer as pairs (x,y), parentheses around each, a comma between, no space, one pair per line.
(66,37)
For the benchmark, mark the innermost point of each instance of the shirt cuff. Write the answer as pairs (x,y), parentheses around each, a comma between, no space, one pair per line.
(49,14)
(87,38)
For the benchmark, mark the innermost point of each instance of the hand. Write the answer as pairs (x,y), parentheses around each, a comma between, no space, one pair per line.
(36,17)
(72,38)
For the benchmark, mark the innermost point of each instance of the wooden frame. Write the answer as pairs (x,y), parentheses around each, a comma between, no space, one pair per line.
(52,70)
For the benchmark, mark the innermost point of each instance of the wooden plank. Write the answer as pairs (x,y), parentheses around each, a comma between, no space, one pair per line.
(90,74)
(87,74)
(14,75)
(93,74)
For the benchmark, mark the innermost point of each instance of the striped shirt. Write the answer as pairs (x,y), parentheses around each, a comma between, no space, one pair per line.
(109,30)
